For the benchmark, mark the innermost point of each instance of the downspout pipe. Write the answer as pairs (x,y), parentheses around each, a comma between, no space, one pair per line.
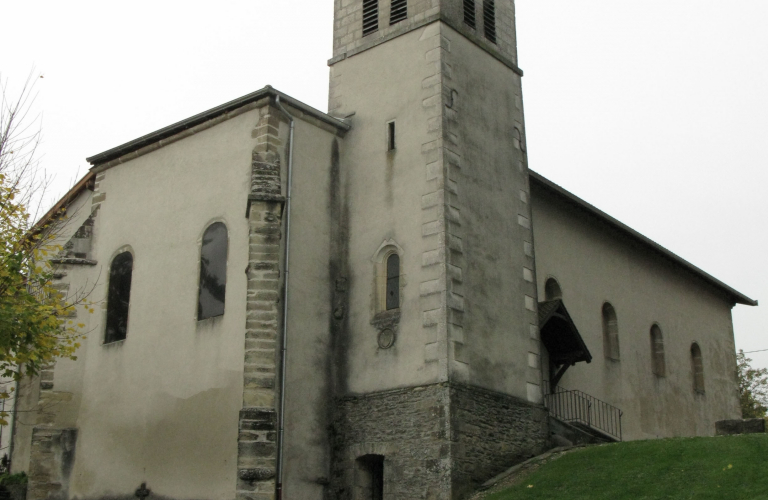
(284,346)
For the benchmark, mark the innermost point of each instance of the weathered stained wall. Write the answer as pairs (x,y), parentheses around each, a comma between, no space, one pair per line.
(189,406)
(487,169)
(388,199)
(594,265)
(162,406)
(313,280)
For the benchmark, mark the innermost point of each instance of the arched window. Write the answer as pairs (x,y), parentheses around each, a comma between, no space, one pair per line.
(213,272)
(657,352)
(697,365)
(610,332)
(393,282)
(118,297)
(552,290)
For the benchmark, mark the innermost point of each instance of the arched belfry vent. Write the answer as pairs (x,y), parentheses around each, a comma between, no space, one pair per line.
(562,340)
(489,20)
(469,13)
(399,11)
(370,16)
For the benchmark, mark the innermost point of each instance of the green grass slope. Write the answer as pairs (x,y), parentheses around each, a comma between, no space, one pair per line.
(722,468)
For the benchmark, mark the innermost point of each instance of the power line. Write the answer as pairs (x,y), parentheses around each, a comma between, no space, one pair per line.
(750,352)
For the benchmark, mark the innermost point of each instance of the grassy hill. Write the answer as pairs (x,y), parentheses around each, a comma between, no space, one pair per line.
(722,468)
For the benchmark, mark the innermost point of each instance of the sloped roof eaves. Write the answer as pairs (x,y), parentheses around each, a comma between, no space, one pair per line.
(203,117)
(543,182)
(86,182)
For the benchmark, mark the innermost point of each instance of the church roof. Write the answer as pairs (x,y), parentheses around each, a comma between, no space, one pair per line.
(171,130)
(550,187)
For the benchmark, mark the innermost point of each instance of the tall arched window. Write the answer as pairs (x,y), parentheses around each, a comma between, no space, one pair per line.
(213,272)
(118,297)
(393,282)
(657,352)
(552,290)
(610,332)
(697,365)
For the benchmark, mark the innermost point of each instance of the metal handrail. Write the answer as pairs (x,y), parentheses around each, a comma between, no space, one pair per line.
(580,407)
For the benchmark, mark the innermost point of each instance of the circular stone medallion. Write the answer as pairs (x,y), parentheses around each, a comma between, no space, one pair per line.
(386,338)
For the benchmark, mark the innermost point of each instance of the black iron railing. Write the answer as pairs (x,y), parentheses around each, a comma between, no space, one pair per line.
(581,408)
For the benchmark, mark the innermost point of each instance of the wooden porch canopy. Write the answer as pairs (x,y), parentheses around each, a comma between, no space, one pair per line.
(562,340)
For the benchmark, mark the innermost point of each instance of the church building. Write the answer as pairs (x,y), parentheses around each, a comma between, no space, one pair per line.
(378,302)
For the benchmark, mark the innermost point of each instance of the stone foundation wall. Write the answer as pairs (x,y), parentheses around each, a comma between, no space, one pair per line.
(492,432)
(438,442)
(410,428)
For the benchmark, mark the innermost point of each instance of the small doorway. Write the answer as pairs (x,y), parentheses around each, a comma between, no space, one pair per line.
(369,481)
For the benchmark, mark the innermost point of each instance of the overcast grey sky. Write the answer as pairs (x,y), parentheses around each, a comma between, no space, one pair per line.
(655,112)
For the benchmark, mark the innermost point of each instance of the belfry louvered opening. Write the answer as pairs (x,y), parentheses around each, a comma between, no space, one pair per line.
(489,20)
(399,11)
(370,16)
(469,13)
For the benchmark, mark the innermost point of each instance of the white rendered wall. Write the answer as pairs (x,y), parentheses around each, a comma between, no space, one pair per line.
(594,266)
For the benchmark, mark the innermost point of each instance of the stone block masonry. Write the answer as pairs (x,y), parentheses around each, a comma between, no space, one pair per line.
(409,428)
(257,433)
(51,462)
(437,442)
(490,433)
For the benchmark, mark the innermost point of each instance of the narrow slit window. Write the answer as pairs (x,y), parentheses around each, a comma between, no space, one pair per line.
(657,351)
(469,13)
(399,11)
(697,365)
(213,272)
(393,282)
(391,136)
(370,16)
(489,20)
(118,297)
(610,332)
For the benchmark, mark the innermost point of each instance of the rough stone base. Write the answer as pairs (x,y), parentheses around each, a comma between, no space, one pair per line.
(51,461)
(747,426)
(490,433)
(437,442)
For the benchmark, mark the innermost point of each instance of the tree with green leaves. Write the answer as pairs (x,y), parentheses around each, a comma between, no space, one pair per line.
(34,325)
(753,388)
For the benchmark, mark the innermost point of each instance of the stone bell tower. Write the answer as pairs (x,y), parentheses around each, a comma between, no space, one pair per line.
(439,389)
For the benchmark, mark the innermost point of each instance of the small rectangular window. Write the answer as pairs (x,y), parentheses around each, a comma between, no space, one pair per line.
(391,136)
(370,16)
(399,11)
(489,20)
(469,13)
